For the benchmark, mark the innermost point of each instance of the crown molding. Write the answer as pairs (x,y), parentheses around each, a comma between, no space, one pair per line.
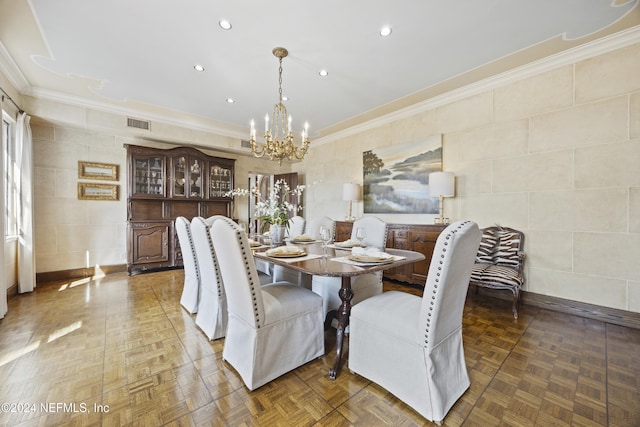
(173,118)
(588,50)
(12,72)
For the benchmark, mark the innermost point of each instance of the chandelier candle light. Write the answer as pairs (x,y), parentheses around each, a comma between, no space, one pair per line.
(279,143)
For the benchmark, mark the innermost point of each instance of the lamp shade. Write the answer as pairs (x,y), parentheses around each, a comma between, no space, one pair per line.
(441,184)
(350,191)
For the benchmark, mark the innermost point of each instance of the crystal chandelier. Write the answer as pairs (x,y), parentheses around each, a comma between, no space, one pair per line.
(279,143)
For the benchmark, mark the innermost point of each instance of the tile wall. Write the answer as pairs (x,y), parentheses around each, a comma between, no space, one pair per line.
(556,154)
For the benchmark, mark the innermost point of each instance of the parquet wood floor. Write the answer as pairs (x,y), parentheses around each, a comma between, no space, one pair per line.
(120,351)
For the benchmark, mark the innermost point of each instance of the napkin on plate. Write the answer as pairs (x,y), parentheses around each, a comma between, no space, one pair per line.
(285,250)
(350,244)
(302,238)
(370,253)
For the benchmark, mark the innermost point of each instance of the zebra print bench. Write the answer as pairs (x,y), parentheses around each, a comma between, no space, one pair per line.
(500,262)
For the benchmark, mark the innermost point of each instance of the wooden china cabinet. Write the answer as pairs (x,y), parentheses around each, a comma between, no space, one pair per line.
(163,185)
(413,237)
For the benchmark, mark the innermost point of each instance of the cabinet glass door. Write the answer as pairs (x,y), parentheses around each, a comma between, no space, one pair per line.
(195,169)
(148,175)
(219,181)
(179,176)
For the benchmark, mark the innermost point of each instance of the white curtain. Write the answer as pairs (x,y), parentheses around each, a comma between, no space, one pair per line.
(3,279)
(26,252)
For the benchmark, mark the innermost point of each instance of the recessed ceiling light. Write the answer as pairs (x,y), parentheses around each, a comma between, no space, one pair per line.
(230,101)
(285,98)
(385,31)
(323,73)
(198,67)
(224,24)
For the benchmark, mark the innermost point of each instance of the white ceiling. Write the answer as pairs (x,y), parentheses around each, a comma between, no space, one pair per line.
(138,55)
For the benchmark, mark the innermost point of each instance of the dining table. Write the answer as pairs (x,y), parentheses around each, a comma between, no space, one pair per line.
(319,259)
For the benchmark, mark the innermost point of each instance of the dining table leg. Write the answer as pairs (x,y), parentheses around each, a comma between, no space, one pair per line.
(346,293)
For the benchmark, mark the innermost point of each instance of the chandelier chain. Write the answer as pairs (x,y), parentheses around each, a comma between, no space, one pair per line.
(280,80)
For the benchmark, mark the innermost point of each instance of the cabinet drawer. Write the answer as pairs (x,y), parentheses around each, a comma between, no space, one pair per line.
(187,209)
(208,209)
(142,210)
(401,234)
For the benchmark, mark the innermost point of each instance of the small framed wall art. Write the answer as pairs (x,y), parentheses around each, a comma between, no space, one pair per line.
(101,171)
(92,191)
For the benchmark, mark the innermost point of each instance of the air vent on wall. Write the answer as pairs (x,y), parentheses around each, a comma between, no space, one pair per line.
(245,143)
(140,124)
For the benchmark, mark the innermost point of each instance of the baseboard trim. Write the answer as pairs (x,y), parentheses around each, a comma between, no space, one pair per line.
(79,273)
(615,316)
(12,290)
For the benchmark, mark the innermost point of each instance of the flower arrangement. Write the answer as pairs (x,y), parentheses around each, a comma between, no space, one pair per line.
(274,210)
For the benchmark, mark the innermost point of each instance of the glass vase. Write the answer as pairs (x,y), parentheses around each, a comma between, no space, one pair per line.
(276,232)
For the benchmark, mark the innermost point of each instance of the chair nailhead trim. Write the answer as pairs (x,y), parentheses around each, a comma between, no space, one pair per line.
(437,279)
(193,251)
(247,267)
(216,266)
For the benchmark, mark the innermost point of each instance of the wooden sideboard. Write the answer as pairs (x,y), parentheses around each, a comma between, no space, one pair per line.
(414,237)
(163,185)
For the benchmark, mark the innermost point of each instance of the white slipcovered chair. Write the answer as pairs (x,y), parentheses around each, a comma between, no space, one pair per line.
(271,329)
(364,285)
(296,226)
(212,308)
(412,346)
(191,289)
(312,228)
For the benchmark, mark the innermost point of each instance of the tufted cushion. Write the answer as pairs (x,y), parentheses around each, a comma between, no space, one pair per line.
(496,274)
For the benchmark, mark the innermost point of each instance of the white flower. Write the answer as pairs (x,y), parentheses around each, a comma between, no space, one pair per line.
(275,208)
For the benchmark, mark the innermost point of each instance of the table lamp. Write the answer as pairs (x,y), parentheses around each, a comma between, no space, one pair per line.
(441,184)
(350,193)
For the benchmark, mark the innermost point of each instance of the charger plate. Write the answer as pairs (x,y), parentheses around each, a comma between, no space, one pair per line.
(350,244)
(370,259)
(303,239)
(283,254)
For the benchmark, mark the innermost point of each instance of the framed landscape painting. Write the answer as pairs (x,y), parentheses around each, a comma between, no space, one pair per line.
(396,178)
